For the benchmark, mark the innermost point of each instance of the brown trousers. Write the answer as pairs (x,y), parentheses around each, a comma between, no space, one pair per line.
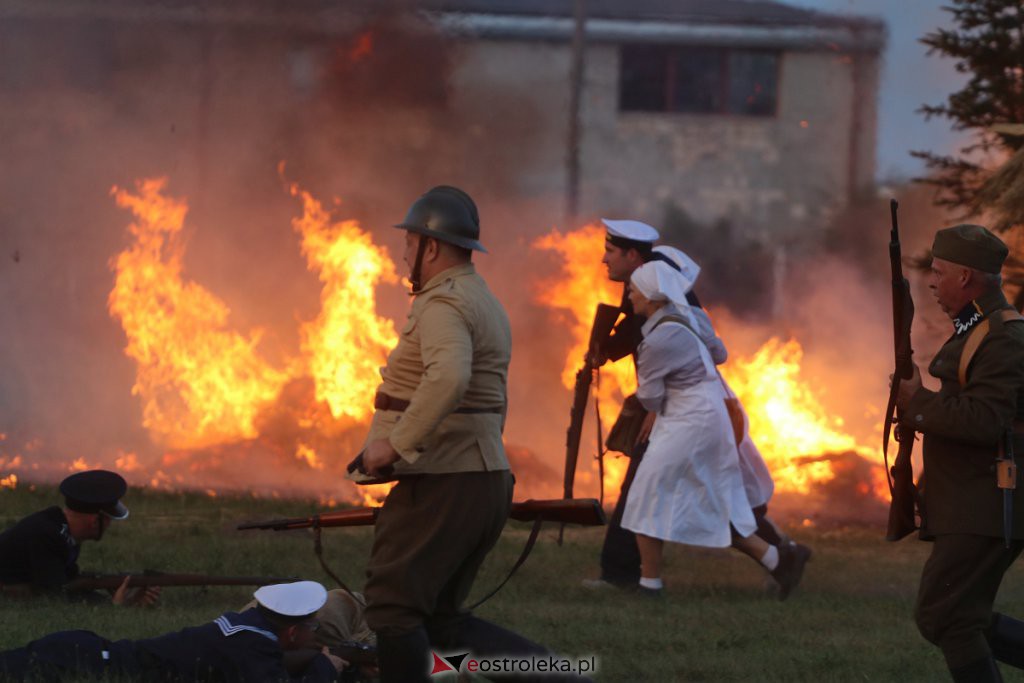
(431,537)
(958,588)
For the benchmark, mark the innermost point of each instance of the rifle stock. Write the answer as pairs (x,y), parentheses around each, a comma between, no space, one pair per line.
(901,520)
(147,579)
(604,320)
(583,511)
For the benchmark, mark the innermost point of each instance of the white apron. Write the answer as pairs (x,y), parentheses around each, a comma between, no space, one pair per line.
(688,487)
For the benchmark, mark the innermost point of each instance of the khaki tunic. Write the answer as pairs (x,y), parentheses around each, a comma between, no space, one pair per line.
(453,352)
(962,428)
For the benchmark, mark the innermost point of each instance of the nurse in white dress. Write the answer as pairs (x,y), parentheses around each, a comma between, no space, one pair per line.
(689,487)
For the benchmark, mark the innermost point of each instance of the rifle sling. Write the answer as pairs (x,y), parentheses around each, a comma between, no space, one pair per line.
(530,542)
(977,336)
(318,549)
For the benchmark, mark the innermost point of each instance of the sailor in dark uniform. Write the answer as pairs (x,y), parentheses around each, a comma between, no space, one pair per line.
(39,554)
(235,647)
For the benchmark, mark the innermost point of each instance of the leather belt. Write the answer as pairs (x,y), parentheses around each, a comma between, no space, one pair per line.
(384,402)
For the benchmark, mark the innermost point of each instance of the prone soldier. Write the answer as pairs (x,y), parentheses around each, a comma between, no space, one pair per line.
(39,554)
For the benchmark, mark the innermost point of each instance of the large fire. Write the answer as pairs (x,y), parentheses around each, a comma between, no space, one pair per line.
(791,428)
(200,382)
(206,387)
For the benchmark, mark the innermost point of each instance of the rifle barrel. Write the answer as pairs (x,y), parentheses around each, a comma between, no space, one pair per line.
(584,511)
(113,581)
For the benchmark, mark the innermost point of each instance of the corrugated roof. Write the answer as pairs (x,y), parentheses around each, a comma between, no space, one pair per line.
(754,12)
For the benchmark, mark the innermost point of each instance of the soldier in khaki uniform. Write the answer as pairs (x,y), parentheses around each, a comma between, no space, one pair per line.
(964,425)
(437,430)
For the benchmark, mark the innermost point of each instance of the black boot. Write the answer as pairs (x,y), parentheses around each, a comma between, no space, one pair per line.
(486,639)
(981,671)
(1007,639)
(404,658)
(792,558)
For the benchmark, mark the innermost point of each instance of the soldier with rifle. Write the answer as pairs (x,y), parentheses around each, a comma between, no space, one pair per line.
(628,245)
(40,553)
(440,412)
(970,493)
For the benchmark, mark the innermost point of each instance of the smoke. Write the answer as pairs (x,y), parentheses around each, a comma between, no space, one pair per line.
(365,113)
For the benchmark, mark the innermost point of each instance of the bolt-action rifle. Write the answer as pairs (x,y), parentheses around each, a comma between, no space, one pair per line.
(604,320)
(583,511)
(901,476)
(155,578)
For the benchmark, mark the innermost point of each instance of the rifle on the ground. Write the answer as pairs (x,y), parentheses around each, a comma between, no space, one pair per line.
(901,476)
(604,320)
(583,511)
(162,579)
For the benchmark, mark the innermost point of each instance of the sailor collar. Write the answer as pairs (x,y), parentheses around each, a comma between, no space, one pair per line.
(976,311)
(445,276)
(231,623)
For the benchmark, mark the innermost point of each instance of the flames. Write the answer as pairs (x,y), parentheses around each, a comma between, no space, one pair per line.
(208,393)
(200,382)
(787,419)
(801,443)
(347,343)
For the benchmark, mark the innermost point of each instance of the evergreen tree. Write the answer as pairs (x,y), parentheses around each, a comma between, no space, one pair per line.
(987,43)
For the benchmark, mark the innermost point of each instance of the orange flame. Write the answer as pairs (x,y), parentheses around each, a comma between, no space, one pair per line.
(206,390)
(200,382)
(786,418)
(581,285)
(9,482)
(347,343)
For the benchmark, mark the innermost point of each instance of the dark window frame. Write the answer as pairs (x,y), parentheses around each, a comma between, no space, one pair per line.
(669,56)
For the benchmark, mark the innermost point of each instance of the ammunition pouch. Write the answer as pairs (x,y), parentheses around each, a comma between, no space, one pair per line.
(623,434)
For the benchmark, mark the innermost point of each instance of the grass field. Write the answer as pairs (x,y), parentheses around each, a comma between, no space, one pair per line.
(849,621)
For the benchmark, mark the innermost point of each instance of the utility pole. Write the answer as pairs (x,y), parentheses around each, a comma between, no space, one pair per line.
(572,159)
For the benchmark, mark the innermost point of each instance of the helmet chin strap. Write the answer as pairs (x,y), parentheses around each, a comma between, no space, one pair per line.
(416,277)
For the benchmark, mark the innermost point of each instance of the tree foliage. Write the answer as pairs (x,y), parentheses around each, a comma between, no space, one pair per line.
(987,42)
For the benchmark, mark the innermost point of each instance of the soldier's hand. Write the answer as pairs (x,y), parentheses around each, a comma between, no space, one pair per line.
(379,454)
(908,387)
(136,597)
(338,663)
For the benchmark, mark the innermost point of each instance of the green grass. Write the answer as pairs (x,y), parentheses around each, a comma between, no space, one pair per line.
(849,621)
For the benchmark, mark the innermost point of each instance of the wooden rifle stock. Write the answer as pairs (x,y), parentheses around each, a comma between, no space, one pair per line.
(584,511)
(604,320)
(901,476)
(147,579)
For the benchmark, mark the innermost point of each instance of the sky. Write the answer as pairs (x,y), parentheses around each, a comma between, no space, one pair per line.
(910,78)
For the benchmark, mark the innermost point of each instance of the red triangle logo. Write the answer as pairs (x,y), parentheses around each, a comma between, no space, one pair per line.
(440,665)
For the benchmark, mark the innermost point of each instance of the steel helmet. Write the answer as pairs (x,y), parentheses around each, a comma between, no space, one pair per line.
(447,214)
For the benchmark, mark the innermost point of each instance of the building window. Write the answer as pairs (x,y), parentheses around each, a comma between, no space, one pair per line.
(702,80)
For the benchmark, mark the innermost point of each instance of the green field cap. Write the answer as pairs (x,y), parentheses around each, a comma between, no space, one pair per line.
(972,246)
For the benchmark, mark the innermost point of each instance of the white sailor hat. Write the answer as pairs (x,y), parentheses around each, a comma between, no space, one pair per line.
(633,231)
(292,599)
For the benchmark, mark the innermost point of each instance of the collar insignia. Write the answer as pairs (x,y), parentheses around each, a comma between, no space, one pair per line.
(967,318)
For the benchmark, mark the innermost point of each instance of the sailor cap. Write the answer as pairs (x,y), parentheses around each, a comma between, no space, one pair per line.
(634,231)
(297,599)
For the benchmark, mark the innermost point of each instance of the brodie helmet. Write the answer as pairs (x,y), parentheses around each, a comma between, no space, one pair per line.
(447,214)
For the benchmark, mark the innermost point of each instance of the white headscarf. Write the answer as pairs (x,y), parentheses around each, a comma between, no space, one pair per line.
(658,281)
(687,266)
